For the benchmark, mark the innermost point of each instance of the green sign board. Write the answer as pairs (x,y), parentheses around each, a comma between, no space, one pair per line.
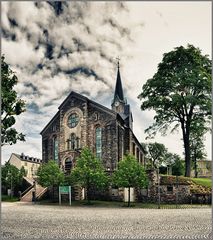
(64,189)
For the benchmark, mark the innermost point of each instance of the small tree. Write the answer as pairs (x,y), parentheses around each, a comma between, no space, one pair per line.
(11,106)
(89,172)
(130,174)
(12,176)
(50,175)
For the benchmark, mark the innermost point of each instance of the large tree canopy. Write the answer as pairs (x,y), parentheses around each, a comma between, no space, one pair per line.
(11,106)
(180,94)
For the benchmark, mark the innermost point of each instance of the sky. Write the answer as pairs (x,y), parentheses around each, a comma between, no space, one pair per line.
(57,47)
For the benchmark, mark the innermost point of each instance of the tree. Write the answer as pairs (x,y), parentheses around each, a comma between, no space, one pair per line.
(178,167)
(11,106)
(156,153)
(89,172)
(50,175)
(180,94)
(12,176)
(130,174)
(197,147)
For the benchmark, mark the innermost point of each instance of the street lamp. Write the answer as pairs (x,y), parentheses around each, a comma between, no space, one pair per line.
(34,192)
(158,189)
(11,181)
(34,185)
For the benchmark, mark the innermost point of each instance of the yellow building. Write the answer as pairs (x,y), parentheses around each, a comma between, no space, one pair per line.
(30,164)
(204,168)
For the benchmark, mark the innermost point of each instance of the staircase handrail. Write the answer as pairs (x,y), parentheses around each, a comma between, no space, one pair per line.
(25,191)
(39,195)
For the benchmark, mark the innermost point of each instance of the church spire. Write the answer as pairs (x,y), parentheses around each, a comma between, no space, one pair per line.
(118,87)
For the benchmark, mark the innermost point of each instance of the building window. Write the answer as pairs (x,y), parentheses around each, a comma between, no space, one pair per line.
(68,165)
(55,149)
(25,164)
(98,142)
(73,120)
(169,189)
(73,142)
(45,149)
(133,149)
(77,142)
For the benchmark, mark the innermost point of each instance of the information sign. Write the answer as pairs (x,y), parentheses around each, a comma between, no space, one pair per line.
(64,190)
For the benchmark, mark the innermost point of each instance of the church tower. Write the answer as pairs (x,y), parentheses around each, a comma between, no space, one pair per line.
(119,103)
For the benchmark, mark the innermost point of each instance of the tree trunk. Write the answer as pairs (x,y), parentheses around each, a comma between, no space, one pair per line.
(187,160)
(186,149)
(195,166)
(128,196)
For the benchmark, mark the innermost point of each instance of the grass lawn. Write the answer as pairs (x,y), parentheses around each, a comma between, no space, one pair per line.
(6,198)
(203,181)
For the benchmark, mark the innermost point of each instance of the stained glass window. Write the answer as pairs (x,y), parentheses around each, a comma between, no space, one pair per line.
(55,149)
(73,120)
(72,141)
(98,142)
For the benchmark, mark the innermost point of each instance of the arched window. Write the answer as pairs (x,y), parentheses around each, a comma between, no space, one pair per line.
(73,142)
(98,142)
(55,149)
(68,165)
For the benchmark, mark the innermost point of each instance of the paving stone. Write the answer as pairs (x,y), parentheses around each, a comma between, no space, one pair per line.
(28,221)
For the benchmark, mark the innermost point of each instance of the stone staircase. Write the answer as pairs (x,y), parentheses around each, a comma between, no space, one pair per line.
(27,195)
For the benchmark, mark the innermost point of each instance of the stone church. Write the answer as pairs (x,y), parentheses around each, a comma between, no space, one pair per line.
(82,122)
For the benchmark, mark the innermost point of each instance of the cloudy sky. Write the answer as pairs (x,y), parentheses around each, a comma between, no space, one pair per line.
(58,47)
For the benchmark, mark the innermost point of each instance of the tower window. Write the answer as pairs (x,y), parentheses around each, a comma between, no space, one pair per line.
(73,120)
(98,142)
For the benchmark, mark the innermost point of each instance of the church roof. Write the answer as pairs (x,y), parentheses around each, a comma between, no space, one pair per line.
(118,88)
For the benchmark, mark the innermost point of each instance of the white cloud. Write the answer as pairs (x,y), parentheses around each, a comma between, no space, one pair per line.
(92,35)
(21,53)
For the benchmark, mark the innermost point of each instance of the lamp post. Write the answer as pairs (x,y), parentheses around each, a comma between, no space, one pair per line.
(11,181)
(176,199)
(34,192)
(158,189)
(34,184)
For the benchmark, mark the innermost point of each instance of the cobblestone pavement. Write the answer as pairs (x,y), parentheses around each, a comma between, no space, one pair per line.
(27,221)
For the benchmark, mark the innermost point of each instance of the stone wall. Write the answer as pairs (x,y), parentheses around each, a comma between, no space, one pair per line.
(169,193)
(175,194)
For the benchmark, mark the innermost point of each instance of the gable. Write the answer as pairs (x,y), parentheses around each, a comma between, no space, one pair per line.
(50,123)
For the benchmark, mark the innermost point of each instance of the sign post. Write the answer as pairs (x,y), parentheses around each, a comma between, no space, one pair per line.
(65,190)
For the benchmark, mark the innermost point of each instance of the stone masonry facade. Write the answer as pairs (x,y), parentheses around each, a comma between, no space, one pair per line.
(76,125)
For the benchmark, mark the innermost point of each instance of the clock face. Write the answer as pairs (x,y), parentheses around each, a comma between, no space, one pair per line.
(116,103)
